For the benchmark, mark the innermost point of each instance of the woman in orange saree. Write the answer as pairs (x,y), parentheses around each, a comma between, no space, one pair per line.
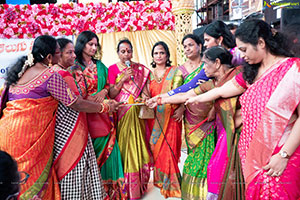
(28,115)
(165,139)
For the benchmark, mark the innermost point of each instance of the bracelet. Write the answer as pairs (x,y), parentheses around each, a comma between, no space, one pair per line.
(159,101)
(108,110)
(106,107)
(102,108)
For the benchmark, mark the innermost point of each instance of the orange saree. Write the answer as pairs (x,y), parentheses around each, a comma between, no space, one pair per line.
(165,140)
(26,133)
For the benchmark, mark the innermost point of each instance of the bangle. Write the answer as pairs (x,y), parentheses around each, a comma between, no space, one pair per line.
(102,108)
(159,101)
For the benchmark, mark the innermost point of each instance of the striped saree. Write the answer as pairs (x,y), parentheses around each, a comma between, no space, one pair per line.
(27,134)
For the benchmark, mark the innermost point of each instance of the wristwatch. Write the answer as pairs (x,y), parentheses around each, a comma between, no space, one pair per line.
(284,154)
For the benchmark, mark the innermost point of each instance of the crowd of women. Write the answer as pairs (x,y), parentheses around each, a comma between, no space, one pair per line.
(66,120)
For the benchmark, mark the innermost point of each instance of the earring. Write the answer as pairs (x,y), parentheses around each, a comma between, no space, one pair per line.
(50,64)
(153,64)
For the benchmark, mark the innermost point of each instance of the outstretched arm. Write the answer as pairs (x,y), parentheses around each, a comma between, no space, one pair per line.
(175,99)
(229,89)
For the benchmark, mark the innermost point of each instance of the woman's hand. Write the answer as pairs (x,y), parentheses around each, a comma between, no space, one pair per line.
(211,114)
(99,97)
(128,73)
(276,166)
(113,105)
(152,103)
(178,113)
(192,100)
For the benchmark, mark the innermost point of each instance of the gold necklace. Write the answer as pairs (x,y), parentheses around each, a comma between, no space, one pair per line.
(157,78)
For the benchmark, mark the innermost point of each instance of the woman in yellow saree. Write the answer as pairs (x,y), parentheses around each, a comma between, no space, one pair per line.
(124,82)
(28,114)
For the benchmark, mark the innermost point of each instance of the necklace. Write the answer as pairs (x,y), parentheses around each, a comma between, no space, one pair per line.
(159,78)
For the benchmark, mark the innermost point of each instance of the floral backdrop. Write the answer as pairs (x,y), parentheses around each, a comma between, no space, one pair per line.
(29,21)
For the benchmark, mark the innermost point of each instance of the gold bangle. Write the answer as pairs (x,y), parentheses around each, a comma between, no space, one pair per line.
(102,108)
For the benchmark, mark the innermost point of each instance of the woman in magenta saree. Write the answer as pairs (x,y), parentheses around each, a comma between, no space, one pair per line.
(131,131)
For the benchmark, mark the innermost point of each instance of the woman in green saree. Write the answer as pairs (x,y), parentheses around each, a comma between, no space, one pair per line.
(90,76)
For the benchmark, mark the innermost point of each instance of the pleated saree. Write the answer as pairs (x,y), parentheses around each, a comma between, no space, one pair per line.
(27,130)
(131,132)
(200,142)
(165,140)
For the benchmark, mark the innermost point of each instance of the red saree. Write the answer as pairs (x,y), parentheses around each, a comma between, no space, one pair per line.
(165,131)
(267,120)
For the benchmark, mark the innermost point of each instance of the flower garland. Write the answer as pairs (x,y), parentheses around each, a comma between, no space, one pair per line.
(30,21)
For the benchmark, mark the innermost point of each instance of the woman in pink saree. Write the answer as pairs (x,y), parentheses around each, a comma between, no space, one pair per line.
(269,145)
(126,81)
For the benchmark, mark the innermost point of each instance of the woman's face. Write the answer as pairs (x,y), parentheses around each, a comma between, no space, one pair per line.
(209,41)
(210,67)
(251,54)
(191,48)
(160,55)
(91,47)
(125,52)
(68,55)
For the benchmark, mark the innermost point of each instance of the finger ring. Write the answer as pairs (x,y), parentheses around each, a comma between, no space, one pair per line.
(276,174)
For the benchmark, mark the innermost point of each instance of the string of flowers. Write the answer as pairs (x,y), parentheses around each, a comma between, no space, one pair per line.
(30,21)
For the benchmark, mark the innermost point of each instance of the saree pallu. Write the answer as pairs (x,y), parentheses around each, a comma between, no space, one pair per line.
(102,129)
(131,136)
(228,183)
(27,134)
(74,157)
(201,144)
(267,125)
(165,140)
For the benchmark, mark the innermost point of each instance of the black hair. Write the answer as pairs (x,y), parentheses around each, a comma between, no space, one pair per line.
(217,29)
(292,32)
(250,31)
(232,26)
(83,38)
(219,52)
(194,37)
(43,46)
(9,176)
(63,43)
(166,48)
(124,40)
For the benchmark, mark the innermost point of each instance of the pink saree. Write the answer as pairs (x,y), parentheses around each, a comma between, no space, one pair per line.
(268,117)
